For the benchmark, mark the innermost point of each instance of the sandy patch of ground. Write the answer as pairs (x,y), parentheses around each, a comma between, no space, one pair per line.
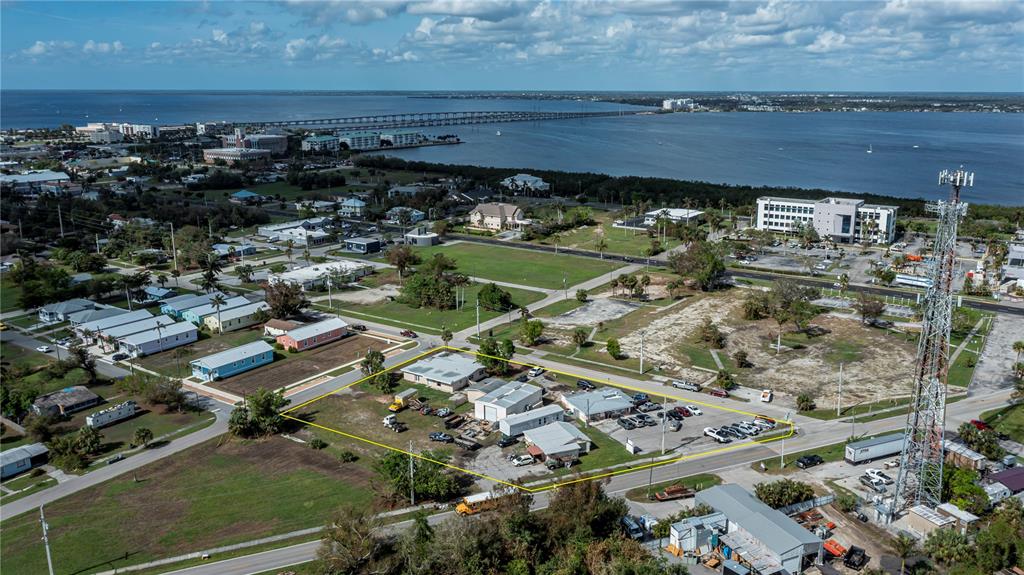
(883,368)
(592,312)
(665,333)
(368,296)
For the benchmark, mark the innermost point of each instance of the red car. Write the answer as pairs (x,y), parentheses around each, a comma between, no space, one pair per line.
(683,411)
(718,392)
(981,425)
(408,333)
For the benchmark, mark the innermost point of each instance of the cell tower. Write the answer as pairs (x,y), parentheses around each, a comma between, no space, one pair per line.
(920,476)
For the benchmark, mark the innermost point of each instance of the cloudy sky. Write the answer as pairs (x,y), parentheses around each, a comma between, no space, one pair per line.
(974,45)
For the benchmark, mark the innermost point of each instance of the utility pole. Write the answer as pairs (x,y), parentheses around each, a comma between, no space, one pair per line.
(412,485)
(60,220)
(642,334)
(174,250)
(97,243)
(565,288)
(46,539)
(839,399)
(477,317)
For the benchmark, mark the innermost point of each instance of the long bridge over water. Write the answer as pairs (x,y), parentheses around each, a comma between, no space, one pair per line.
(428,119)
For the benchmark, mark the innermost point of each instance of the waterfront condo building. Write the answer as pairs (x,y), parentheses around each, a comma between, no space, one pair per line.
(320,144)
(845,220)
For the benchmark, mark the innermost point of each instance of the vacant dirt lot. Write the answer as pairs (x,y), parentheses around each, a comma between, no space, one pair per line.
(305,364)
(368,296)
(592,312)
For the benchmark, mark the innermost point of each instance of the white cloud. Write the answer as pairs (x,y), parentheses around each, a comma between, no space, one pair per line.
(828,41)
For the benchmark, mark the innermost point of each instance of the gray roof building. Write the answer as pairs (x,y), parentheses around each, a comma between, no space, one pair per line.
(61,310)
(558,440)
(599,403)
(99,325)
(90,315)
(229,356)
(451,370)
(764,537)
(67,400)
(126,329)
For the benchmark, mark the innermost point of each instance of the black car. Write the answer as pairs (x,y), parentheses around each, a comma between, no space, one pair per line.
(119,356)
(523,378)
(507,441)
(585,385)
(809,461)
(625,424)
(673,414)
(359,327)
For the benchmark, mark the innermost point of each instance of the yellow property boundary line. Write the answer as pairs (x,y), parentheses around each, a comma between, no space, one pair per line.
(792,427)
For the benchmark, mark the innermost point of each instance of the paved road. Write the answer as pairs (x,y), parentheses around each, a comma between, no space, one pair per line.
(19,339)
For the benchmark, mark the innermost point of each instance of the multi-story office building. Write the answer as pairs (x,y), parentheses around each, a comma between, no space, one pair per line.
(320,144)
(841,219)
(278,145)
(401,138)
(363,140)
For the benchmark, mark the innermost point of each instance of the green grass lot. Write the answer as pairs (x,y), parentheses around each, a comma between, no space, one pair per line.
(26,321)
(1008,420)
(620,241)
(559,307)
(519,266)
(22,358)
(858,410)
(9,296)
(699,482)
(432,320)
(45,383)
(30,486)
(210,495)
(166,364)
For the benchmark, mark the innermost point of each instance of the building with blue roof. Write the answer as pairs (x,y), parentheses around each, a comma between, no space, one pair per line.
(232,361)
(245,197)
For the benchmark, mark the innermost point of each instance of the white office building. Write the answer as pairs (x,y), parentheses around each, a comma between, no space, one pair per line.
(320,144)
(362,140)
(316,276)
(676,104)
(509,399)
(844,220)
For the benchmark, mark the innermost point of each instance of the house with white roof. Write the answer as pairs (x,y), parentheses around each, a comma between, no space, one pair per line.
(509,399)
(525,182)
(307,232)
(560,440)
(316,276)
(89,315)
(516,425)
(159,339)
(447,371)
(599,404)
(98,327)
(237,317)
(314,334)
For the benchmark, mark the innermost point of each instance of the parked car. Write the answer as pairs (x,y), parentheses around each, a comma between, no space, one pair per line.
(626,424)
(640,398)
(443,412)
(808,461)
(674,426)
(645,419)
(694,410)
(359,327)
(523,378)
(877,474)
(714,434)
(521,460)
(44,349)
(426,411)
(873,484)
(687,385)
(767,395)
(674,415)
(119,356)
(763,425)
(507,441)
(115,459)
(585,385)
(649,406)
(441,436)
(891,464)
(980,425)
(717,392)
(748,428)
(856,558)
(409,333)
(535,371)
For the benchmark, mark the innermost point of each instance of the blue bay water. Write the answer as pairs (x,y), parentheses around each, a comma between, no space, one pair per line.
(812,150)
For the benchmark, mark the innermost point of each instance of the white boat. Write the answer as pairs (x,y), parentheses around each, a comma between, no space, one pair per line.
(916,146)
(869,149)
(498,133)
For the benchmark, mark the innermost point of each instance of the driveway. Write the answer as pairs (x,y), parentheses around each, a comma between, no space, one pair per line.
(994,369)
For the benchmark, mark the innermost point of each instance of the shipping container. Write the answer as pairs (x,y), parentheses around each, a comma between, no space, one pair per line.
(874,448)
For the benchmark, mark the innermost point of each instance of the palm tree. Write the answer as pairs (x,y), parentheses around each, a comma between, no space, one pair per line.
(217,301)
(288,249)
(904,545)
(1018,346)
(176,273)
(601,245)
(446,335)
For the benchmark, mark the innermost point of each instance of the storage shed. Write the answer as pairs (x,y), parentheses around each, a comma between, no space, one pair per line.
(21,459)
(516,425)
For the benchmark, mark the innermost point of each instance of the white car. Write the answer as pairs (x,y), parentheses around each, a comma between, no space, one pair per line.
(694,410)
(878,475)
(749,428)
(767,395)
(535,371)
(713,434)
(521,460)
(44,349)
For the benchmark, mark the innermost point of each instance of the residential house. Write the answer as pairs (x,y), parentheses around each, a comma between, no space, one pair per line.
(236,318)
(405,216)
(153,294)
(65,401)
(61,311)
(317,276)
(176,306)
(422,237)
(509,399)
(497,216)
(233,250)
(363,245)
(147,324)
(447,372)
(90,315)
(97,327)
(159,339)
(21,459)
(318,206)
(352,208)
(599,404)
(197,314)
(560,440)
(246,198)
(525,183)
(232,361)
(314,334)
(276,327)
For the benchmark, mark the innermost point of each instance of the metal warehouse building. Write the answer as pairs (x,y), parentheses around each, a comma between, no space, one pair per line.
(516,425)
(755,535)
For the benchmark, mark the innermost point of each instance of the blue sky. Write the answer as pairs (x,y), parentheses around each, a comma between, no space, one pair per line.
(897,45)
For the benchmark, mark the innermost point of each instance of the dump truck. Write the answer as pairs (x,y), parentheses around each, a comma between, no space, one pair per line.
(401,400)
